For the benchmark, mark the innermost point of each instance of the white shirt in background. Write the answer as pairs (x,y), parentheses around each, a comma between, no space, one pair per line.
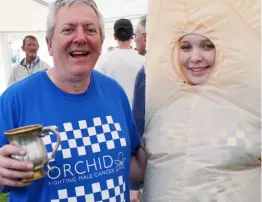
(23,70)
(122,65)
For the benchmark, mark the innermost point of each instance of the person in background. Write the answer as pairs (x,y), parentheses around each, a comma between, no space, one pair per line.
(124,62)
(30,64)
(138,105)
(100,147)
(140,36)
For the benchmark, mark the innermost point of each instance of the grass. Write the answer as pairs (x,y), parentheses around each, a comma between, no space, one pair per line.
(3,197)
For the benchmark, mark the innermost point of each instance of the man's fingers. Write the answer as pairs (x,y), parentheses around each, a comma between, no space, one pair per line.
(13,164)
(14,174)
(12,183)
(7,162)
(134,196)
(12,170)
(9,150)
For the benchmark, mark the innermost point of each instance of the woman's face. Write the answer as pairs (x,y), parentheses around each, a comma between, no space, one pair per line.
(196,56)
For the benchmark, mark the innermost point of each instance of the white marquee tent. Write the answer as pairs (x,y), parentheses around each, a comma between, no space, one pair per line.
(19,18)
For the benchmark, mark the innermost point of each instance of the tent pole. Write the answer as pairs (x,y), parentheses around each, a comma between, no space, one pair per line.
(5,62)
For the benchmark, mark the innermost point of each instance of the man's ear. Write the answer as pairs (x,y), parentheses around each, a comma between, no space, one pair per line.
(37,46)
(145,37)
(49,46)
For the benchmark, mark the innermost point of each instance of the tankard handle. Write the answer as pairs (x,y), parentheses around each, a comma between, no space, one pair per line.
(52,129)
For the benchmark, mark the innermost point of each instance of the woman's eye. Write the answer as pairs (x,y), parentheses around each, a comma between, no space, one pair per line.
(208,46)
(186,47)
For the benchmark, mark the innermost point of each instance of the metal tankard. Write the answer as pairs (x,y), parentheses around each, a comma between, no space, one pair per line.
(29,138)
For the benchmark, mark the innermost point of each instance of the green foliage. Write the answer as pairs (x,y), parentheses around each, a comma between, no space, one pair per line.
(3,197)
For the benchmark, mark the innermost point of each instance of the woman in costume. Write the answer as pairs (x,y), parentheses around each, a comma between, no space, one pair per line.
(203,102)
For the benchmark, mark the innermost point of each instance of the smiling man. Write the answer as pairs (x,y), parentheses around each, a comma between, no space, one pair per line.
(99,138)
(30,64)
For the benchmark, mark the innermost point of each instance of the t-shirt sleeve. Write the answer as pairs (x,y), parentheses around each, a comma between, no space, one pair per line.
(7,116)
(133,132)
(8,120)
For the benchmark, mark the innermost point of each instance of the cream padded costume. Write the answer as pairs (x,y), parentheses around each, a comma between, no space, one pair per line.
(204,142)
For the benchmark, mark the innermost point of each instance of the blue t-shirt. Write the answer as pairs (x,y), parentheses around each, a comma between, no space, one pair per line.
(98,137)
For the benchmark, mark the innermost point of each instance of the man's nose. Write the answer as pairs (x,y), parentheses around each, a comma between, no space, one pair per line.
(32,47)
(80,36)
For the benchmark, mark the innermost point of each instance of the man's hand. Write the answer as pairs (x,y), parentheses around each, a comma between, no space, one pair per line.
(135,196)
(12,170)
(138,166)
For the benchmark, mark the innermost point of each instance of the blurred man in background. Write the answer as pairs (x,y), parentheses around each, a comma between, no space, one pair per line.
(139,94)
(30,64)
(124,62)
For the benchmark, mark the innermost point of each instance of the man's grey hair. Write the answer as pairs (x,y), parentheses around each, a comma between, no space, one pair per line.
(142,21)
(55,6)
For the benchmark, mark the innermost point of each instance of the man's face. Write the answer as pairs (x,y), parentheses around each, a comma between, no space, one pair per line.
(30,48)
(140,39)
(76,44)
